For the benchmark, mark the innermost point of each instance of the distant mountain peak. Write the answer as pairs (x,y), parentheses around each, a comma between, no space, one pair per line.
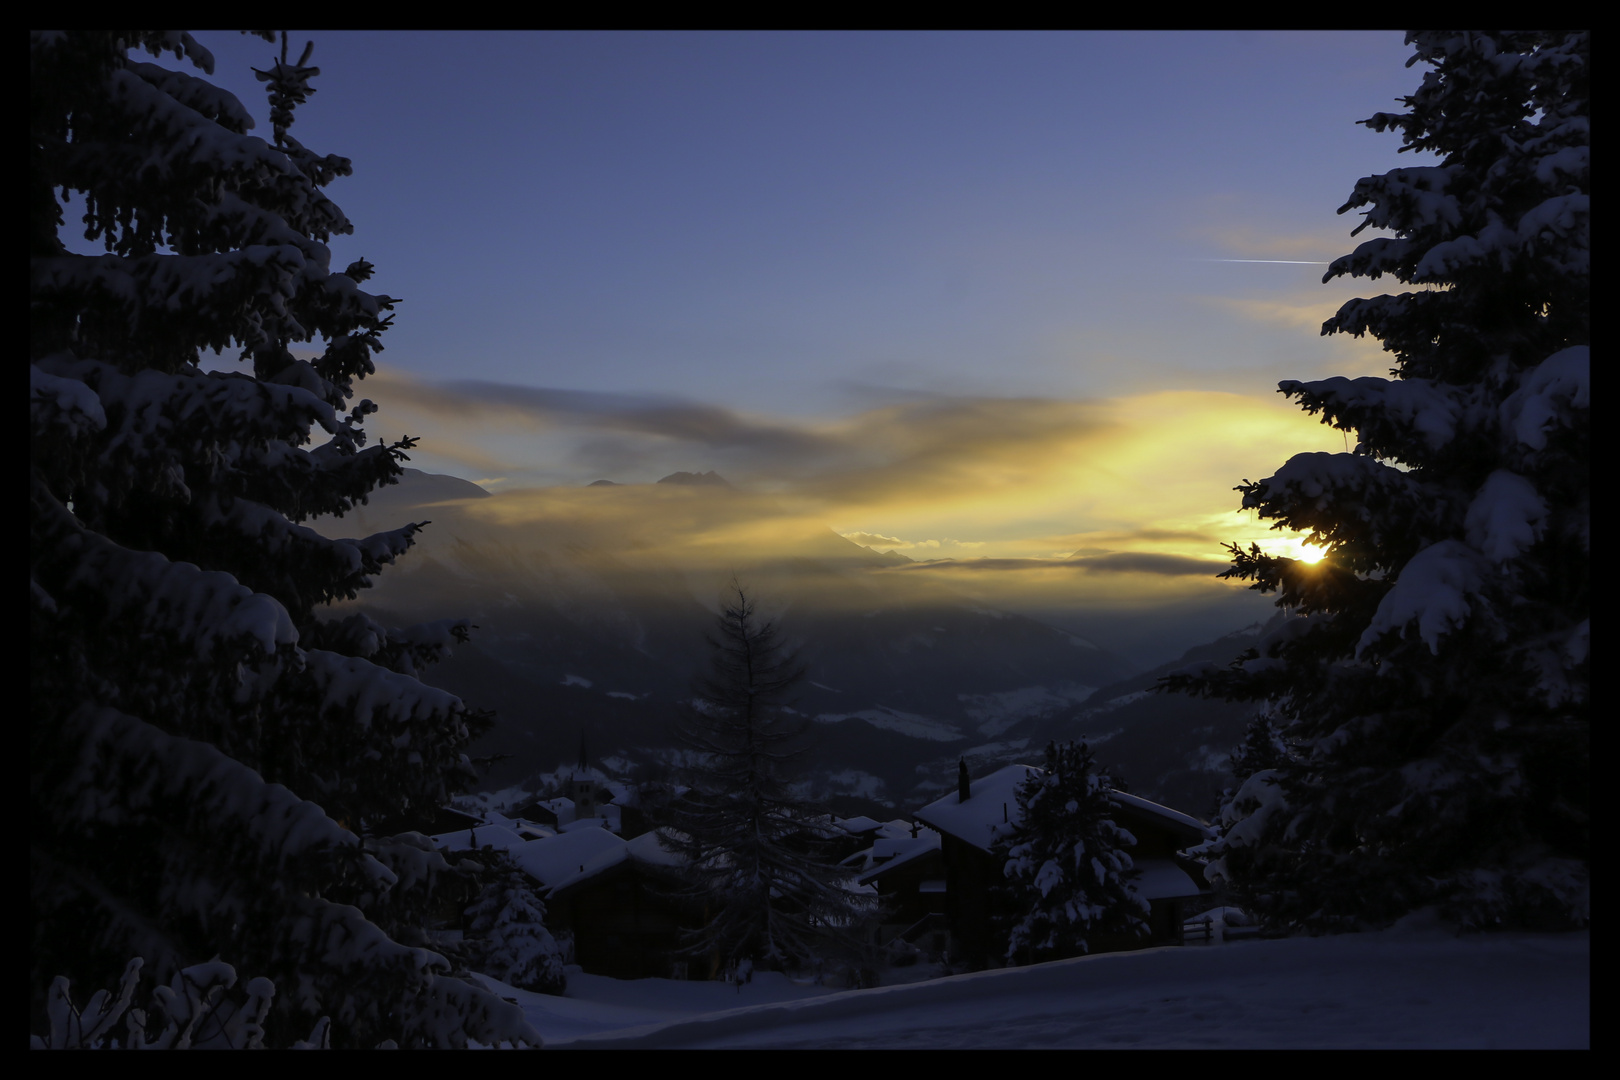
(711,478)
(603,483)
(417,487)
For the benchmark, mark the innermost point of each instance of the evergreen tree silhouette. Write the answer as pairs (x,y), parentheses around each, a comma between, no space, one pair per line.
(213,757)
(1430,688)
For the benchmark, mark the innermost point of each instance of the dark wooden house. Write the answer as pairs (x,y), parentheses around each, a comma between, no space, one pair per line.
(622,912)
(908,873)
(970,818)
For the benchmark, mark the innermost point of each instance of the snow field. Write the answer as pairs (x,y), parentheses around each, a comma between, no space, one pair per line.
(1388,990)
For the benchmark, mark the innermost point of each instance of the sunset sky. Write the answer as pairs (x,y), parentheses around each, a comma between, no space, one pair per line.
(999,296)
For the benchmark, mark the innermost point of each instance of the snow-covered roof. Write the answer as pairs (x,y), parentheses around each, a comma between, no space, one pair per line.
(887,847)
(895,829)
(898,852)
(1162,879)
(992,806)
(857,825)
(559,857)
(1223,916)
(992,803)
(496,836)
(644,849)
(1137,802)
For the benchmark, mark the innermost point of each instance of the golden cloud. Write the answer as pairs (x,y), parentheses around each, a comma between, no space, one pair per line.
(1114,562)
(1300,314)
(1250,243)
(874,539)
(1135,491)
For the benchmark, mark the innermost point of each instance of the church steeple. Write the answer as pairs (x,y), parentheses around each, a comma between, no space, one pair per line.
(582,789)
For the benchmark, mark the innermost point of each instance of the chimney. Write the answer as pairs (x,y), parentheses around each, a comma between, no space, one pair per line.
(962,792)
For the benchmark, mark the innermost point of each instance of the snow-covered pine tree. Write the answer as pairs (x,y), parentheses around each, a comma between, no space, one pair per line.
(1432,687)
(205,751)
(1066,873)
(1260,749)
(506,931)
(1242,809)
(753,847)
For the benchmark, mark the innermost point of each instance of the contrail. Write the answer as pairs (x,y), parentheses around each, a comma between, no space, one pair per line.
(1287,262)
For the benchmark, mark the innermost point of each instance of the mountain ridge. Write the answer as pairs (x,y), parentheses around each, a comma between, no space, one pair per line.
(904,678)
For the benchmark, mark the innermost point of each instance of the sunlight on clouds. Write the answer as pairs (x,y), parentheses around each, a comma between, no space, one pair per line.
(1305,315)
(1011,498)
(874,540)
(1341,354)
(1247,242)
(932,549)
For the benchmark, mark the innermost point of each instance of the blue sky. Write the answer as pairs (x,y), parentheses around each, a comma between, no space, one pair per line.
(781,220)
(958,294)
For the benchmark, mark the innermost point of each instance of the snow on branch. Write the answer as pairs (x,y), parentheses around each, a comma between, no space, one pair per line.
(1506,517)
(201,96)
(1549,396)
(1342,498)
(67,403)
(1433,591)
(203,608)
(1558,225)
(192,1012)
(149,411)
(225,798)
(371,696)
(1405,199)
(455,1014)
(194,142)
(1383,412)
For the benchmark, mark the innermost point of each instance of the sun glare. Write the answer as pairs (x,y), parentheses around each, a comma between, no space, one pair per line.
(1294,547)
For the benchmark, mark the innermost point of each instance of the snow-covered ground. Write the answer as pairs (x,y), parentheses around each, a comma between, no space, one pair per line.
(596,1004)
(1393,989)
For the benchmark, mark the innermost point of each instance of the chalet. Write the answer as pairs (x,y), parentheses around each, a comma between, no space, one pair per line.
(621,900)
(546,812)
(970,819)
(622,910)
(851,835)
(614,898)
(908,873)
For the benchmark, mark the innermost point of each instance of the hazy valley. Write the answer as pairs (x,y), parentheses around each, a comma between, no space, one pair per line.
(592,624)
